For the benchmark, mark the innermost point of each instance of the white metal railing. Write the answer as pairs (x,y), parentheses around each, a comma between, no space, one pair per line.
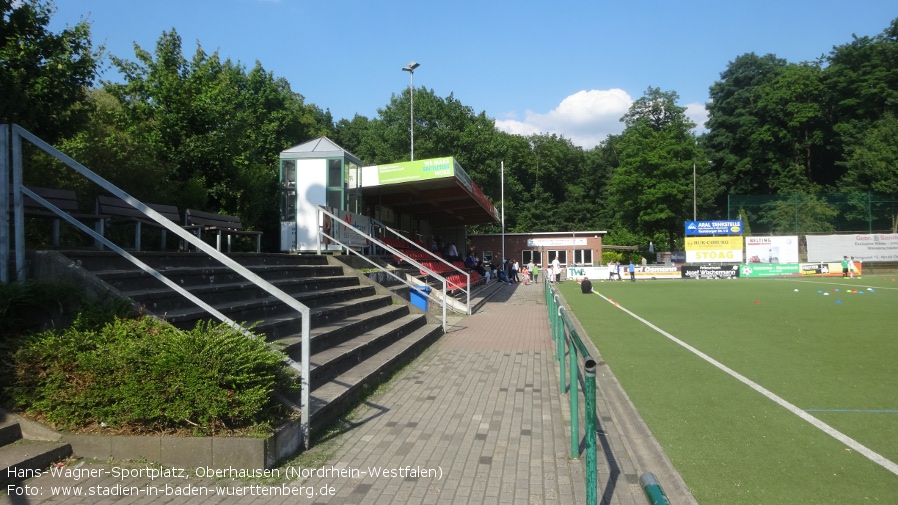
(466,289)
(17,133)
(442,300)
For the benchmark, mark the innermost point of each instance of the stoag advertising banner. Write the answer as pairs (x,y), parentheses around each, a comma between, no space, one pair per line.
(714,249)
(772,249)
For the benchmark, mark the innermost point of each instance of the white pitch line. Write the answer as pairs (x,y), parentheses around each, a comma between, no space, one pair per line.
(829,430)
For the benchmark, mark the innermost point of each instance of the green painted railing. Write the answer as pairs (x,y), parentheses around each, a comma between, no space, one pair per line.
(568,342)
(652,489)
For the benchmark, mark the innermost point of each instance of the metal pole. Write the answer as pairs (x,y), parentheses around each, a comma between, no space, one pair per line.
(652,489)
(502,177)
(411,92)
(18,204)
(573,393)
(4,203)
(694,193)
(591,465)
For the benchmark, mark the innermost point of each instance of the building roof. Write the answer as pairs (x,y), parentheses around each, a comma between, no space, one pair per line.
(319,148)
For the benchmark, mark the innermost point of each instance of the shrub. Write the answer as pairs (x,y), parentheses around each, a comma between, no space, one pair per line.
(38,305)
(144,375)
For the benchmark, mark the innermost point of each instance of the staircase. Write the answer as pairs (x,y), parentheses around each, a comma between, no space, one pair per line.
(359,331)
(22,458)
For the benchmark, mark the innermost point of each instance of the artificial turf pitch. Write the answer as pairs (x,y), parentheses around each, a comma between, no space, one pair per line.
(833,356)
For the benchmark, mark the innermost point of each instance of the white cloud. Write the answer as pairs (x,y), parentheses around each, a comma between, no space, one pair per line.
(699,115)
(587,117)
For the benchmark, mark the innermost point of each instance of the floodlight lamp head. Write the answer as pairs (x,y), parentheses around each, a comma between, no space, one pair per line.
(411,66)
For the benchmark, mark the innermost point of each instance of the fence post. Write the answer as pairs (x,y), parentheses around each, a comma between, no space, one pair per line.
(4,203)
(652,489)
(560,345)
(589,391)
(573,392)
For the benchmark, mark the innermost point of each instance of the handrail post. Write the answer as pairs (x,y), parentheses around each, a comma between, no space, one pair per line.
(652,489)
(19,217)
(4,203)
(561,341)
(591,464)
(573,392)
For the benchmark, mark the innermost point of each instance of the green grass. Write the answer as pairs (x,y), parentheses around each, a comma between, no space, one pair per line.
(731,444)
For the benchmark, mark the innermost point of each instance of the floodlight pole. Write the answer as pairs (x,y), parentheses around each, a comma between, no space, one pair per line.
(694,192)
(411,92)
(502,179)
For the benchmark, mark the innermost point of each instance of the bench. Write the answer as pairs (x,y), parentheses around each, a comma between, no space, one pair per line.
(121,212)
(64,199)
(219,224)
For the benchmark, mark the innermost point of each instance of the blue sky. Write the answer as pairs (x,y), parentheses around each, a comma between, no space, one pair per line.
(565,67)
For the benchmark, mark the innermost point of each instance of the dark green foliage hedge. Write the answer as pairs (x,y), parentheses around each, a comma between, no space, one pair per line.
(143,375)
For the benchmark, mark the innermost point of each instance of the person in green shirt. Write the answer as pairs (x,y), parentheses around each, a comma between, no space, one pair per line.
(845,266)
(534,271)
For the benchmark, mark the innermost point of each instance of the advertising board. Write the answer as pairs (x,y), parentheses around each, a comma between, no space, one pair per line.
(863,247)
(710,271)
(771,249)
(698,228)
(714,249)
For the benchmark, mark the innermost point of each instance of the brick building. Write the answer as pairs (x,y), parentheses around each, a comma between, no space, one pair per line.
(580,248)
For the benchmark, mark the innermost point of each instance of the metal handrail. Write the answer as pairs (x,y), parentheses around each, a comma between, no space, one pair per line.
(381,268)
(565,336)
(19,189)
(466,289)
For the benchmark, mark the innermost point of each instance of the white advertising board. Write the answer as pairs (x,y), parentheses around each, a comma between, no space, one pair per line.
(863,247)
(771,249)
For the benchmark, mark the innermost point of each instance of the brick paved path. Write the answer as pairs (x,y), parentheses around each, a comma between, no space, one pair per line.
(477,419)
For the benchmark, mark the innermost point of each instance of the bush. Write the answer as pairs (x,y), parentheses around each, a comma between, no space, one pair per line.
(143,375)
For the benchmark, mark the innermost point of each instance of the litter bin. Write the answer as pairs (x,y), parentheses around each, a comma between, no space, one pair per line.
(418,296)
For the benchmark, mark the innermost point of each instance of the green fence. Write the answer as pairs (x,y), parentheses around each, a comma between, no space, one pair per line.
(800,214)
(568,344)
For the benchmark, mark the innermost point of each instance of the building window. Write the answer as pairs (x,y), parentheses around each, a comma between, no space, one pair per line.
(561,255)
(527,256)
(583,257)
(335,184)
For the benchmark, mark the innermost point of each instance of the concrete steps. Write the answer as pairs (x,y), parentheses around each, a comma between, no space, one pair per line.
(22,458)
(359,330)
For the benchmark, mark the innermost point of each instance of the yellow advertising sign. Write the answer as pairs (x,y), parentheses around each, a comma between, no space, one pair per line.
(714,243)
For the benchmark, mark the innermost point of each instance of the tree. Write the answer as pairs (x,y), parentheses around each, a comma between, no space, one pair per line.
(45,76)
(651,190)
(872,166)
(799,214)
(793,128)
(218,127)
(862,82)
(734,120)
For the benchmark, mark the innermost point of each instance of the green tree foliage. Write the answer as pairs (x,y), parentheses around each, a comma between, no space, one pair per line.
(45,76)
(863,82)
(794,128)
(872,166)
(733,120)
(651,191)
(216,126)
(799,214)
